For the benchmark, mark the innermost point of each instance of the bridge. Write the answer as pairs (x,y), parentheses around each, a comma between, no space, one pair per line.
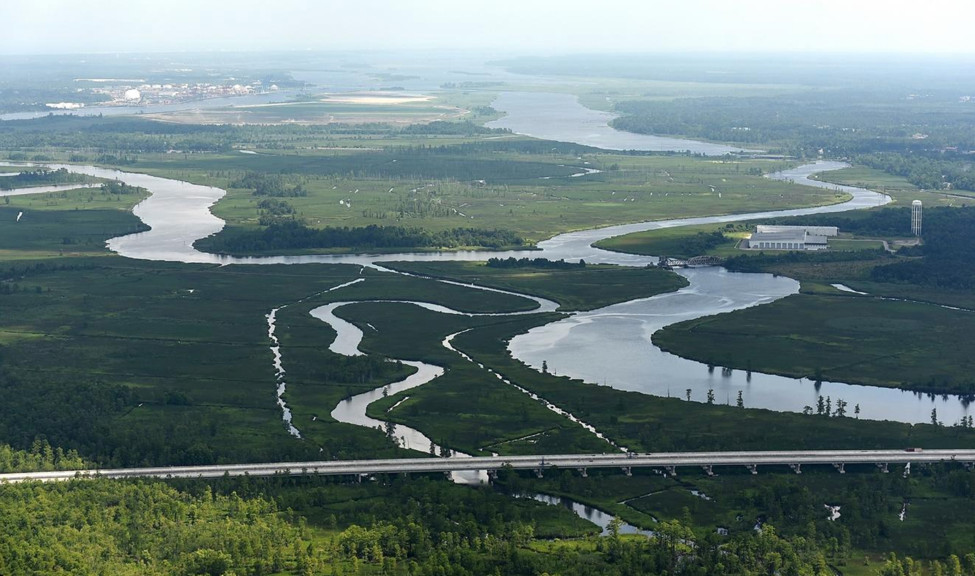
(581,462)
(697,261)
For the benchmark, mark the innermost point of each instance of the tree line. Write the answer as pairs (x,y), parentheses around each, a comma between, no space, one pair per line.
(42,177)
(946,254)
(291,235)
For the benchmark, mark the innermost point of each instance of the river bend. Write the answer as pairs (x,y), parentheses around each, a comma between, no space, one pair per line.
(609,346)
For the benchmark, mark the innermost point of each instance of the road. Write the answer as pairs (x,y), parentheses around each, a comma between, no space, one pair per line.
(626,462)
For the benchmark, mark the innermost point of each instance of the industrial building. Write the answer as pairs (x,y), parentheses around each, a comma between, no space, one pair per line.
(790,237)
(815,230)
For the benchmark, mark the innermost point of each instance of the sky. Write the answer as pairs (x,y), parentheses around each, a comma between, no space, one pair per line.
(496,26)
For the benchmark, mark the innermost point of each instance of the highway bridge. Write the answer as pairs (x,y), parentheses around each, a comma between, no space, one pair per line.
(581,462)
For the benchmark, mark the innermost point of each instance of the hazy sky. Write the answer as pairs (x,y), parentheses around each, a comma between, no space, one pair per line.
(545,26)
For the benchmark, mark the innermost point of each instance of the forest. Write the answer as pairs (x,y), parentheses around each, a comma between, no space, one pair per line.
(946,254)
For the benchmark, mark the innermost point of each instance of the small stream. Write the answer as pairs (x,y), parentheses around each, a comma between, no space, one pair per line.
(594,515)
(353,410)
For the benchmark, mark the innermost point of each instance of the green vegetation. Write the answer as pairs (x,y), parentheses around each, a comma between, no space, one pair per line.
(106,361)
(41,457)
(289,236)
(339,176)
(869,501)
(49,233)
(175,367)
(653,424)
(861,340)
(42,177)
(469,409)
(575,288)
(134,363)
(407,527)
(947,252)
(101,526)
(682,242)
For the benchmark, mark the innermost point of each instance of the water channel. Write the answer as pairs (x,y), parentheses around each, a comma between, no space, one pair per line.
(608,346)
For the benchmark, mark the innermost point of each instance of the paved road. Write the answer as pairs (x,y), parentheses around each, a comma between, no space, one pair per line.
(569,461)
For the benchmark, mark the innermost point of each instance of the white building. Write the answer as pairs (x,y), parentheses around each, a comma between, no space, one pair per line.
(815,230)
(789,238)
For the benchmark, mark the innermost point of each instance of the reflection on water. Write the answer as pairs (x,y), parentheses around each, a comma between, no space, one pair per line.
(594,515)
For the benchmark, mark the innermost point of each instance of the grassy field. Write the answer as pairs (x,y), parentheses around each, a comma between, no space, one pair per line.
(70,222)
(899,189)
(594,286)
(534,195)
(323,111)
(682,242)
(854,244)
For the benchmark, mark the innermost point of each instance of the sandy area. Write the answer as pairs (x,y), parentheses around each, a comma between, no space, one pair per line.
(376,98)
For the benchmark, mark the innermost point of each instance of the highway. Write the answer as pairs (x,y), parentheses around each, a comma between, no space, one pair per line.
(540,463)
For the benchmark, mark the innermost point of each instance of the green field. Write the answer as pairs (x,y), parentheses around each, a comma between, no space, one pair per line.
(681,242)
(71,222)
(861,340)
(588,288)
(533,195)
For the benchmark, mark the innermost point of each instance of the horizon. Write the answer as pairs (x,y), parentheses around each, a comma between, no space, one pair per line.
(540,27)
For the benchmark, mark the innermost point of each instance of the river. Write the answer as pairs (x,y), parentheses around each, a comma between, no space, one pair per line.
(560,117)
(608,346)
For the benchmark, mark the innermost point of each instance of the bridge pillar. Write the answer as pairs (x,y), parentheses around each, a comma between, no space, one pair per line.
(708,469)
(752,468)
(538,472)
(797,468)
(841,467)
(584,472)
(672,470)
(627,470)
(492,474)
(883,468)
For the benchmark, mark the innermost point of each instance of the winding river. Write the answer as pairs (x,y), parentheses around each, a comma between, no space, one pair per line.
(608,346)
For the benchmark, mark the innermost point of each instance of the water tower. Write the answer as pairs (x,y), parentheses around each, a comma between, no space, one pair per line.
(916,217)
